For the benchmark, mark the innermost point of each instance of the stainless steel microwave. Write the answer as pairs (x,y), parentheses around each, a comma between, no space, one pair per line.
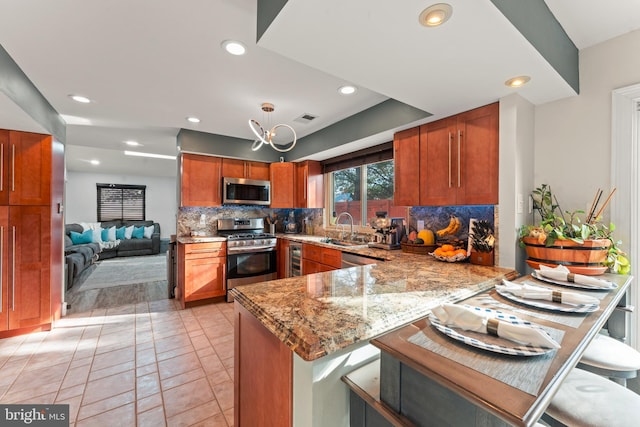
(240,191)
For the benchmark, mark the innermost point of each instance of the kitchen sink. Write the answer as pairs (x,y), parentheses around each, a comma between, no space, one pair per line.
(345,243)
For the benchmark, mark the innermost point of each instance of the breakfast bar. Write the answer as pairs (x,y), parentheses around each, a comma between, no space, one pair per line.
(314,329)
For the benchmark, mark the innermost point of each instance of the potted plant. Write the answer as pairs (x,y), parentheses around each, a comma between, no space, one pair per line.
(482,243)
(584,246)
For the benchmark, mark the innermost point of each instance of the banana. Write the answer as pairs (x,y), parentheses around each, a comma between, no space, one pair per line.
(452,228)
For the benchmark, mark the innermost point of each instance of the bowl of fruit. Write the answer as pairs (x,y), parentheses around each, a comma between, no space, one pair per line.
(449,253)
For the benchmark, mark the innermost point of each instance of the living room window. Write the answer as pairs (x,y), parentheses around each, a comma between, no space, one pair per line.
(121,201)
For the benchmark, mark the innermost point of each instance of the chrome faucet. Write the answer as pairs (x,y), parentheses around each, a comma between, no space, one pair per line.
(342,229)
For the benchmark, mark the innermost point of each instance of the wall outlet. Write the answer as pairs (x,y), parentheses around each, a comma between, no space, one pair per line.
(203,220)
(420,225)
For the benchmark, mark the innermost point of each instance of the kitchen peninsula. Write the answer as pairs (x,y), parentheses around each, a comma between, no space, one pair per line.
(313,329)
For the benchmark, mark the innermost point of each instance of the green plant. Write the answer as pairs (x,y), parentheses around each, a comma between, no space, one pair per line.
(568,225)
(482,239)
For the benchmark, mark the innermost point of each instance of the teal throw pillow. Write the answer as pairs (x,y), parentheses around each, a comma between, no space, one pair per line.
(105,234)
(138,233)
(120,233)
(81,238)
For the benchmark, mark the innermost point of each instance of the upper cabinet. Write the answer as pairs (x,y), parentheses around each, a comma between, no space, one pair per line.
(25,168)
(309,185)
(201,180)
(282,177)
(233,168)
(455,160)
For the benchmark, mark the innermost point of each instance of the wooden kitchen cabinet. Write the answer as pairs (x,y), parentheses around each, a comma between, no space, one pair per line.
(317,259)
(201,271)
(406,146)
(454,159)
(30,231)
(282,249)
(309,183)
(25,168)
(234,168)
(282,175)
(200,182)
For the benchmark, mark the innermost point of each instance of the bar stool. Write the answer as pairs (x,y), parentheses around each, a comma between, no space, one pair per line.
(611,358)
(589,400)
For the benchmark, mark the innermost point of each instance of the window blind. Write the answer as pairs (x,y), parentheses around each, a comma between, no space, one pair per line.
(121,201)
(379,153)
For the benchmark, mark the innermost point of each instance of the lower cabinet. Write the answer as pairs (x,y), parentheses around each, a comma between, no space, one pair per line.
(317,259)
(201,271)
(25,250)
(283,258)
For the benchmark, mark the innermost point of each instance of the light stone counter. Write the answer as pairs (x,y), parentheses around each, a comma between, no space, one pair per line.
(318,314)
(326,321)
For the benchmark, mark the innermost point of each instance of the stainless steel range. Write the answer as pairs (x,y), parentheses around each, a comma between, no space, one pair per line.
(251,253)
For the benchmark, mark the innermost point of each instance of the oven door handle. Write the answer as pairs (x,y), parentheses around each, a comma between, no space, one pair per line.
(240,249)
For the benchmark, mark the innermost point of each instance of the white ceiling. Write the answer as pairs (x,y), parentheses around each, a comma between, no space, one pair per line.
(148,64)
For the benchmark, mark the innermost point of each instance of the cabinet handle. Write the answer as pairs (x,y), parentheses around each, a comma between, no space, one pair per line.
(13,272)
(13,168)
(449,159)
(306,183)
(459,138)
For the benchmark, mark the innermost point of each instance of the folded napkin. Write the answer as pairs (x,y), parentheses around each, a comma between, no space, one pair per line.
(562,273)
(470,320)
(536,292)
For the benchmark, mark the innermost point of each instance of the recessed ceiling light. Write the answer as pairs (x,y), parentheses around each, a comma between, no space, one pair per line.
(94,162)
(347,90)
(133,143)
(517,81)
(155,156)
(234,47)
(80,98)
(435,15)
(193,119)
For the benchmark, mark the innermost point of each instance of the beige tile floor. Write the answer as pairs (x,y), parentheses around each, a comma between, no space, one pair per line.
(145,364)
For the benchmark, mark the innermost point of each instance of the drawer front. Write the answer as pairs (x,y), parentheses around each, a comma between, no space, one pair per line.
(205,250)
(327,256)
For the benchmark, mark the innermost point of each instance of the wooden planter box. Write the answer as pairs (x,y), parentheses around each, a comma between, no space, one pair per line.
(481,258)
(586,258)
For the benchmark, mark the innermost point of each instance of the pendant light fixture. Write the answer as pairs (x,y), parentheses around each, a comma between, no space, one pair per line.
(271,137)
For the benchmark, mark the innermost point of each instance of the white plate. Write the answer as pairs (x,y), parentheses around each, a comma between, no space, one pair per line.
(549,305)
(573,284)
(505,346)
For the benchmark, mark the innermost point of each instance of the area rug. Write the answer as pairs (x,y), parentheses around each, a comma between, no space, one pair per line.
(126,271)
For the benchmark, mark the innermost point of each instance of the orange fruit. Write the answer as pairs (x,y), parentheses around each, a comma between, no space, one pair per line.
(447,248)
(461,252)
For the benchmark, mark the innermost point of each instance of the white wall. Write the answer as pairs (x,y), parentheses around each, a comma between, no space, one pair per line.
(516,177)
(81,198)
(573,135)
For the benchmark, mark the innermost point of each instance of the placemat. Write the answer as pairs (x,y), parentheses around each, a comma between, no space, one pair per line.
(525,373)
(495,301)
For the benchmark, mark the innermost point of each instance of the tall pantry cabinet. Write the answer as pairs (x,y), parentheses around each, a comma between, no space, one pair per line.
(31,186)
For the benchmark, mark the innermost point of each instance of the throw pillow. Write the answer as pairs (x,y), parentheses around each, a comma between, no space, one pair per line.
(138,233)
(128,231)
(104,234)
(148,231)
(81,238)
(120,233)
(111,234)
(97,235)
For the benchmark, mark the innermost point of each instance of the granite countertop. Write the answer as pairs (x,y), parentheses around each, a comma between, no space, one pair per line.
(318,314)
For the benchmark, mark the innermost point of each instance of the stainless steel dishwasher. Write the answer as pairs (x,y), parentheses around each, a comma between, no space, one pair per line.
(353,260)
